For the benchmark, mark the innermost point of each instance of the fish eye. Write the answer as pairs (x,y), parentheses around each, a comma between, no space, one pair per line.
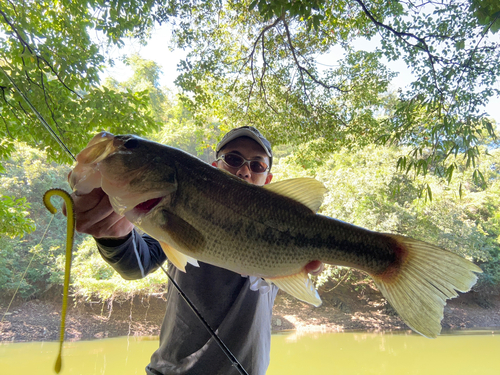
(131,144)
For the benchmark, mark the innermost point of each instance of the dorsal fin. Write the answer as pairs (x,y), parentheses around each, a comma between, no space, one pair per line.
(305,190)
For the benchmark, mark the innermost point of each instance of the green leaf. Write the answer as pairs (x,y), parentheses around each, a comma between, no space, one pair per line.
(253,4)
(459,45)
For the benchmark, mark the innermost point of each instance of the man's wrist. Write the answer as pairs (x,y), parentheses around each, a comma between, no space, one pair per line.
(113,241)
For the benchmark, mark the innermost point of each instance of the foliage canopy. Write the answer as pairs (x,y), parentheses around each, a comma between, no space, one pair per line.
(260,67)
(255,62)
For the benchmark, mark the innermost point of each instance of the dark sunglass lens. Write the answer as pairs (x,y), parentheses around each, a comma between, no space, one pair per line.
(233,160)
(258,167)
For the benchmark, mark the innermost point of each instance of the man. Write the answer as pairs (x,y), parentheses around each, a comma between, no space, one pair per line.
(238,308)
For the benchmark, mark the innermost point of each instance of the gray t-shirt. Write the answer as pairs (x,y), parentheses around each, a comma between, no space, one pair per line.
(240,316)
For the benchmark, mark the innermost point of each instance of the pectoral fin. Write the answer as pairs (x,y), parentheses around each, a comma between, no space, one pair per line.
(177,258)
(186,238)
(300,286)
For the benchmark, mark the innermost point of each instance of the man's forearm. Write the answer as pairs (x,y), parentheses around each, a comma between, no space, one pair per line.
(133,257)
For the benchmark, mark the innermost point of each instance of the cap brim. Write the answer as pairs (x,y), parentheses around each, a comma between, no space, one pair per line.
(243,133)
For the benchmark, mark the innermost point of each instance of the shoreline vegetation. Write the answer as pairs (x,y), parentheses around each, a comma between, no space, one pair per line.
(343,310)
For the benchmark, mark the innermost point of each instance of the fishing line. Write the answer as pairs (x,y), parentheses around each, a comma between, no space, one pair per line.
(39,115)
(214,335)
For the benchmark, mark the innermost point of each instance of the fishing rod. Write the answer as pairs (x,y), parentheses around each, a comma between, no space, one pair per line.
(214,334)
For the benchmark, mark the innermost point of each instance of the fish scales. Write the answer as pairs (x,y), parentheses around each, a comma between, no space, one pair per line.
(198,212)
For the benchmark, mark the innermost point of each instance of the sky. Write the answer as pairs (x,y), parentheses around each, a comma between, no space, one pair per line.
(158,51)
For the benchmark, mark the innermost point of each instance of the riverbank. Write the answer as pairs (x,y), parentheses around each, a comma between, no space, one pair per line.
(342,310)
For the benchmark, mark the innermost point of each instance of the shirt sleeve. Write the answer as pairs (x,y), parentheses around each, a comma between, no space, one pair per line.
(135,258)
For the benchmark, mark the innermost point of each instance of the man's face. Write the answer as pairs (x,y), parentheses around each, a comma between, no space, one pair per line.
(250,150)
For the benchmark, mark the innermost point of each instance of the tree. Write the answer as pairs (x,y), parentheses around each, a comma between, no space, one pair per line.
(49,85)
(40,256)
(259,67)
(178,127)
(49,68)
(146,78)
(269,76)
(28,174)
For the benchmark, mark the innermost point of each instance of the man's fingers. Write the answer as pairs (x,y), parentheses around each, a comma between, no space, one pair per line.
(88,202)
(87,219)
(113,226)
(95,216)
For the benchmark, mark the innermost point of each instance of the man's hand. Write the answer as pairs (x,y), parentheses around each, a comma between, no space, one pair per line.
(95,216)
(315,267)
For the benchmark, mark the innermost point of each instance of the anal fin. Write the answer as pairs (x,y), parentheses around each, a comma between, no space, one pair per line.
(300,286)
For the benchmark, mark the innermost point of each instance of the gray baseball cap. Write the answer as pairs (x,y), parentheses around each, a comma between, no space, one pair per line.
(250,132)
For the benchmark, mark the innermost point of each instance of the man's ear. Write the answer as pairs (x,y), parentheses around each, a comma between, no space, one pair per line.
(268,178)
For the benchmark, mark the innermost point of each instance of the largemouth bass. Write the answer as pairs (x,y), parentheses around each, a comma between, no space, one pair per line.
(200,213)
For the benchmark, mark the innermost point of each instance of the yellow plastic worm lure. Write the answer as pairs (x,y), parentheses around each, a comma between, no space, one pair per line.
(70,234)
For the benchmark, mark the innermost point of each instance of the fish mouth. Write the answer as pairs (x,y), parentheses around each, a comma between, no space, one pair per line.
(146,206)
(143,210)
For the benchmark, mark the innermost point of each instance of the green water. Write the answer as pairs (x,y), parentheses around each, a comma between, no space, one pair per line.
(464,352)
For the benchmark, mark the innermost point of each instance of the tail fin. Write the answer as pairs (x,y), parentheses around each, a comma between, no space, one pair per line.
(426,278)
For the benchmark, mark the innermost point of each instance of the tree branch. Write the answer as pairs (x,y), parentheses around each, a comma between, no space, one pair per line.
(424,47)
(46,98)
(251,60)
(467,64)
(301,68)
(26,45)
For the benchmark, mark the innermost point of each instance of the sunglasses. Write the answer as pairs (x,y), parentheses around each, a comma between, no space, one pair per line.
(237,161)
